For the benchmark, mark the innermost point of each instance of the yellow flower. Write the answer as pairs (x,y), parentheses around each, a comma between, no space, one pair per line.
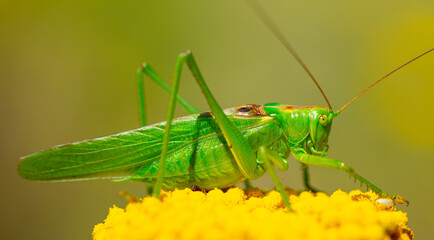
(234,214)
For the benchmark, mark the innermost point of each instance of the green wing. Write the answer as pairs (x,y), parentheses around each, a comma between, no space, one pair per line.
(118,156)
(112,157)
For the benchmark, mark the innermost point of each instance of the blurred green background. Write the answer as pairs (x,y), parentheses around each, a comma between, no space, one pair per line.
(67,73)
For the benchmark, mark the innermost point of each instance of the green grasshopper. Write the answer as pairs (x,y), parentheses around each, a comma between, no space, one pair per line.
(220,148)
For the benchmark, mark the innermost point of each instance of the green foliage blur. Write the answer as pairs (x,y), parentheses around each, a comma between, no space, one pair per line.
(67,73)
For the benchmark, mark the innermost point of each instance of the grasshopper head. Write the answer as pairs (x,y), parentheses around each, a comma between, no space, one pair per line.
(321,119)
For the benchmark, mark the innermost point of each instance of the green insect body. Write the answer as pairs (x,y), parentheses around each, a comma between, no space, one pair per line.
(200,150)
(212,149)
(198,153)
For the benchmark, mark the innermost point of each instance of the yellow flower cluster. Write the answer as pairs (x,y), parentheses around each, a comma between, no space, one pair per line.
(234,214)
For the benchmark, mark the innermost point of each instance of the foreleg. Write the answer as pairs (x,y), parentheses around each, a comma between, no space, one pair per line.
(336,164)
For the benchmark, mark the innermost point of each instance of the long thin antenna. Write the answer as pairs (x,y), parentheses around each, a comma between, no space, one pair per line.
(259,10)
(381,79)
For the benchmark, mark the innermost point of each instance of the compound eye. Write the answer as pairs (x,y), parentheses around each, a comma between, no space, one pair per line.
(323,120)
